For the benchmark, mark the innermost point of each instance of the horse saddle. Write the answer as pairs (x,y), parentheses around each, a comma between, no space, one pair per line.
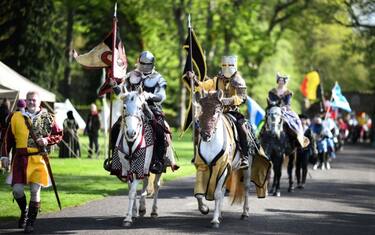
(232,121)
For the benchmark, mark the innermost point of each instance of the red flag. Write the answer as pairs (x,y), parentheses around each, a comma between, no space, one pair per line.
(109,54)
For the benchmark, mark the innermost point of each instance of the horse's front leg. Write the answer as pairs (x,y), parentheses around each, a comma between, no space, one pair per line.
(154,212)
(219,198)
(203,208)
(142,201)
(127,222)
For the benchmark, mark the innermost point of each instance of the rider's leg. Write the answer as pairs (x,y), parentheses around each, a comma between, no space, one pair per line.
(244,142)
(157,164)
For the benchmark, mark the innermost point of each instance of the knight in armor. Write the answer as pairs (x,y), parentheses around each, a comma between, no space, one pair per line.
(281,96)
(233,85)
(154,87)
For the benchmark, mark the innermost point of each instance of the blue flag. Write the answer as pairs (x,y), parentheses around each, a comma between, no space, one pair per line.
(338,99)
(255,112)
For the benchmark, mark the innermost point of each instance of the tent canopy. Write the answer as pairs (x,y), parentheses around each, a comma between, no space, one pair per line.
(12,83)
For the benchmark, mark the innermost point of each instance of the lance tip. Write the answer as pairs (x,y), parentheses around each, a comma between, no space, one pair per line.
(115,13)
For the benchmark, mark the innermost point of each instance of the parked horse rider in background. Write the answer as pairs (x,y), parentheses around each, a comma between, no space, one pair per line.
(234,87)
(28,165)
(154,86)
(282,97)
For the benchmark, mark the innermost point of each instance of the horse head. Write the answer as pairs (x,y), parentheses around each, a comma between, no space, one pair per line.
(275,121)
(133,103)
(211,108)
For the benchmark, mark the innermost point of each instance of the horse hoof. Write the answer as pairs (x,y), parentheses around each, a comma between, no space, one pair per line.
(215,225)
(134,218)
(278,194)
(142,212)
(126,224)
(244,216)
(154,215)
(204,209)
(291,189)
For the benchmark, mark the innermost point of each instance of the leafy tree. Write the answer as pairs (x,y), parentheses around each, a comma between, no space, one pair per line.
(30,42)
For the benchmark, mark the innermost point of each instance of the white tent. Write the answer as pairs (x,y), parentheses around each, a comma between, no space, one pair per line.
(116,112)
(60,113)
(12,83)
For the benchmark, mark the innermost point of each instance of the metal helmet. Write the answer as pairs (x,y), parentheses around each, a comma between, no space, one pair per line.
(229,65)
(279,76)
(146,62)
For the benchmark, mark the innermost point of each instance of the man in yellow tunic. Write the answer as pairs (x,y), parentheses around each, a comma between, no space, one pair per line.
(28,166)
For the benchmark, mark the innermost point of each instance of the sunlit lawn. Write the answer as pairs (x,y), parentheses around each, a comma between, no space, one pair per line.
(81,180)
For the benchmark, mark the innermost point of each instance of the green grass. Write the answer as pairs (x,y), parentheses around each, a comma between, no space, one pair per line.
(82,180)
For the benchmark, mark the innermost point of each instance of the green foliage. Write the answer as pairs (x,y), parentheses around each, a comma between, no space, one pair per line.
(289,36)
(30,40)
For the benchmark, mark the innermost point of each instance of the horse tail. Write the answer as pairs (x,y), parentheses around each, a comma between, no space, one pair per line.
(236,187)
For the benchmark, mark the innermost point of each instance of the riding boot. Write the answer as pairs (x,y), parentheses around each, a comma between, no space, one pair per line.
(22,205)
(157,165)
(244,143)
(31,216)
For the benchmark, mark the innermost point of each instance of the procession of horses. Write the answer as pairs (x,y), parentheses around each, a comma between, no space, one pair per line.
(217,157)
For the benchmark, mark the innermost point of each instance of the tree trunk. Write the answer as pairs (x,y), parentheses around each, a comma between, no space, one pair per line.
(68,53)
(178,12)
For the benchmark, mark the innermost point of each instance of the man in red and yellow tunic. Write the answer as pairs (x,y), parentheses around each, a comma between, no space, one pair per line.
(28,166)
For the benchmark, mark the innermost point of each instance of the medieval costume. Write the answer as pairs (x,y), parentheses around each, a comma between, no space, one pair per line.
(69,146)
(31,133)
(154,87)
(282,97)
(234,87)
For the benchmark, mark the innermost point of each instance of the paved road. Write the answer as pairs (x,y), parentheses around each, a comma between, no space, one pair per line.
(338,201)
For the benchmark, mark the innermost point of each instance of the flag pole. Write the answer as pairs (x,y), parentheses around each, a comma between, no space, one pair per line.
(192,85)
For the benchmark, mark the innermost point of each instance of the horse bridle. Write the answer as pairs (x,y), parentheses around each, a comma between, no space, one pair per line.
(138,115)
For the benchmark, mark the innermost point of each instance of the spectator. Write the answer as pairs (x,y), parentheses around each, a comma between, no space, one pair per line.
(21,105)
(69,146)
(4,113)
(92,130)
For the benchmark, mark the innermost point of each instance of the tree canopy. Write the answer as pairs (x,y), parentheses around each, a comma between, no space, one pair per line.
(290,36)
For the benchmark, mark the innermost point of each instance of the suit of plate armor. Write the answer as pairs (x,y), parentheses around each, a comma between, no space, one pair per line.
(234,88)
(154,87)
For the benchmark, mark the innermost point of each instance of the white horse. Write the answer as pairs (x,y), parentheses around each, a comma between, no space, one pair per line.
(218,160)
(136,147)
